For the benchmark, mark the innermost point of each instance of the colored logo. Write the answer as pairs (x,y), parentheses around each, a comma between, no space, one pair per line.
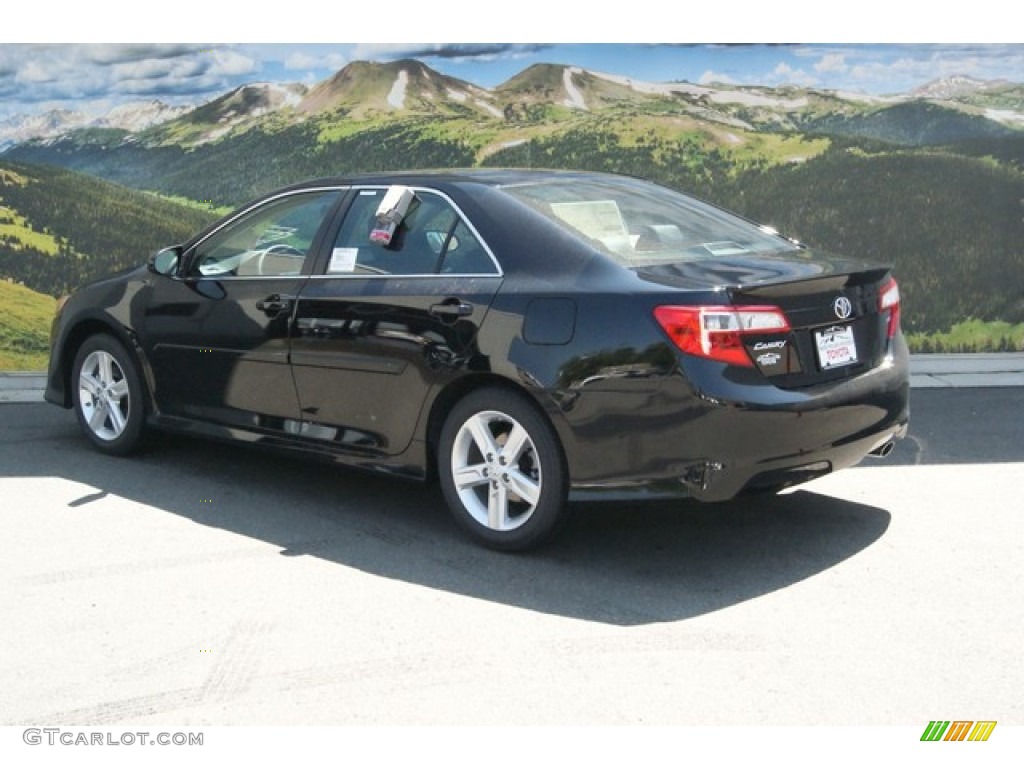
(842,307)
(958,730)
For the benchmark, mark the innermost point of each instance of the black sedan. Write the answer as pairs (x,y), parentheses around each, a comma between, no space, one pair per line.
(526,337)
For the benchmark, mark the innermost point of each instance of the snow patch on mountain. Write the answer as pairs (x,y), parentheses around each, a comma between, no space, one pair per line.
(138,116)
(46,125)
(396,98)
(719,96)
(653,89)
(132,117)
(490,108)
(284,95)
(951,87)
(749,99)
(575,98)
(1005,116)
(860,96)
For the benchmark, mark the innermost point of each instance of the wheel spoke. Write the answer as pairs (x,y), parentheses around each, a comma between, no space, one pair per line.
(106,369)
(117,420)
(497,507)
(513,447)
(525,487)
(90,384)
(479,428)
(98,417)
(471,476)
(119,390)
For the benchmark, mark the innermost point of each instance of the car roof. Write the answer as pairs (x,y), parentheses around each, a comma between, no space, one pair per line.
(492,177)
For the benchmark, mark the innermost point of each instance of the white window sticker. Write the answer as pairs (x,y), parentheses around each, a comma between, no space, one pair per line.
(599,219)
(343,260)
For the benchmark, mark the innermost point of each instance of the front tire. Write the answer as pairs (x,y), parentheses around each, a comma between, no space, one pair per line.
(107,393)
(501,470)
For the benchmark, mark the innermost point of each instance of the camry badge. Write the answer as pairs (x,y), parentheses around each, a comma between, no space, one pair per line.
(842,307)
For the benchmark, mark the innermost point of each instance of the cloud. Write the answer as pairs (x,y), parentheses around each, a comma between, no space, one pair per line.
(898,68)
(118,54)
(36,75)
(783,74)
(35,72)
(831,62)
(303,60)
(710,77)
(461,51)
(229,62)
(159,69)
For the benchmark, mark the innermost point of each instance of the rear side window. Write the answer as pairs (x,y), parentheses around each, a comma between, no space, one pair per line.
(432,239)
(637,223)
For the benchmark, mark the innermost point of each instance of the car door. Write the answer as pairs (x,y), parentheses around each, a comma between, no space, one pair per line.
(218,333)
(381,324)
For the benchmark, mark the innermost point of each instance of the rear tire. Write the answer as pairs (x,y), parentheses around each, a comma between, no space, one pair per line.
(107,394)
(501,470)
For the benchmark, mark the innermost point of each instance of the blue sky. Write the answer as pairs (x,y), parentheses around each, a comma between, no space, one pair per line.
(93,77)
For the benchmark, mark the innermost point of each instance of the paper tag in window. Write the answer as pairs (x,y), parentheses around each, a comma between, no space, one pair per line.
(343,260)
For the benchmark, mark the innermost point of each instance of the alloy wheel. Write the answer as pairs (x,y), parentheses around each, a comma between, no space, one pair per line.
(104,395)
(496,470)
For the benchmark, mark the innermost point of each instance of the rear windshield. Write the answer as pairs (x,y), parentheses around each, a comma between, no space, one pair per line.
(641,224)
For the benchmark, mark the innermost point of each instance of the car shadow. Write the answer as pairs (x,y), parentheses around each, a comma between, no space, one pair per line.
(616,563)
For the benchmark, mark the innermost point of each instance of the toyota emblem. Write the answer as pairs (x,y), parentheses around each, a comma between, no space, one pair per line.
(842,307)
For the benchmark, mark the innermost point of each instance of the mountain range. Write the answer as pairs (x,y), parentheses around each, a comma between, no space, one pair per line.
(131,117)
(366,90)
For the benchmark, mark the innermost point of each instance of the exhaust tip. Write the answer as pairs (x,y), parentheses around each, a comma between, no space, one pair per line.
(883,450)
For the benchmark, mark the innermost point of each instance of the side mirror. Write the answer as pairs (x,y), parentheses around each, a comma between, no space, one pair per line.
(166,261)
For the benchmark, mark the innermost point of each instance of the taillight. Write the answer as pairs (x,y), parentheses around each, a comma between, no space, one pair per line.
(889,299)
(717,332)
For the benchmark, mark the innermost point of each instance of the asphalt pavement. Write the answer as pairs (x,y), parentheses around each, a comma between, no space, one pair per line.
(879,595)
(199,584)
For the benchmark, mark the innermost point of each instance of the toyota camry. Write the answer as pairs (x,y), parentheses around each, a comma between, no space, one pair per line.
(524,337)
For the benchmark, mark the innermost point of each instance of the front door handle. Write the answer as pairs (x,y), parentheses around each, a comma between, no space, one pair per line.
(451,309)
(275,304)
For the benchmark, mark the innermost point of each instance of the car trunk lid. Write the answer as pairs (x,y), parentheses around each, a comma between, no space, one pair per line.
(837,329)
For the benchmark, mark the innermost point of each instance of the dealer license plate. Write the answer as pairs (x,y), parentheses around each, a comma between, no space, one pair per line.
(836,347)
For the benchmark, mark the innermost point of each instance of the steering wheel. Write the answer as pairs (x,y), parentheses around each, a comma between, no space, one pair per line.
(278,249)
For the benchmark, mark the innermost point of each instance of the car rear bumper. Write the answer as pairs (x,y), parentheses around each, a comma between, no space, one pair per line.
(713,437)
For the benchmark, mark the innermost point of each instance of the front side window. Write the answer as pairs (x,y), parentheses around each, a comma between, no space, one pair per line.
(272,241)
(431,239)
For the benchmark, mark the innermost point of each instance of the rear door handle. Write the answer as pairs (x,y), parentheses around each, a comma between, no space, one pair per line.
(451,309)
(275,304)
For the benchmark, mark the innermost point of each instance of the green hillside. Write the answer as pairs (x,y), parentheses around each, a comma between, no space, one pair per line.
(949,220)
(952,226)
(59,229)
(25,328)
(914,124)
